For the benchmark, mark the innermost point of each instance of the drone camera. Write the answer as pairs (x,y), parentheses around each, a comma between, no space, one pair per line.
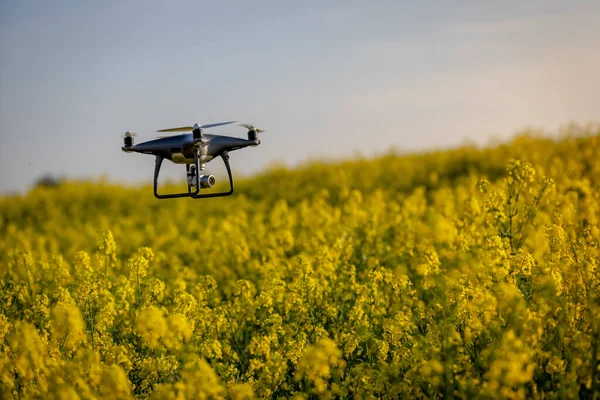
(207,181)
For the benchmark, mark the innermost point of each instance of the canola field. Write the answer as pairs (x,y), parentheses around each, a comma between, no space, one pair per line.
(465,273)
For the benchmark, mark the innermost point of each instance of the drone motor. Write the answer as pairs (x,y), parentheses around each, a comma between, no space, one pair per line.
(197,133)
(128,139)
(252,131)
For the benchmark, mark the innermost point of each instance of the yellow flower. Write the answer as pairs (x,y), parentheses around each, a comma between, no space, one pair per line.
(107,245)
(198,381)
(27,351)
(5,326)
(512,364)
(68,327)
(151,326)
(318,362)
(179,331)
(520,173)
(114,384)
(240,391)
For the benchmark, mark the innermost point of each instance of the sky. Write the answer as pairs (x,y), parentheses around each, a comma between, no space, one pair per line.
(327,80)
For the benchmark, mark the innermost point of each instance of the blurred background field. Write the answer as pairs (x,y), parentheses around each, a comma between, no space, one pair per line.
(469,272)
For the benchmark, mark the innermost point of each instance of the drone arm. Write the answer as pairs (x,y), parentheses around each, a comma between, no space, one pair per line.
(225,157)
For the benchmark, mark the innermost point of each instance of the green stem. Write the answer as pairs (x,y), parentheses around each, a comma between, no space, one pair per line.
(28,280)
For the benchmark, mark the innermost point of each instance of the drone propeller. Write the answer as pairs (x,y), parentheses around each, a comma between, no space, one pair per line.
(129,134)
(196,126)
(252,128)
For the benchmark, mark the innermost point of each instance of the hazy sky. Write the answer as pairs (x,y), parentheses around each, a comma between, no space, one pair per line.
(324,78)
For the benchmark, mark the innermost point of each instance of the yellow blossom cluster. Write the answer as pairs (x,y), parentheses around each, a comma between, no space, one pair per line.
(471,273)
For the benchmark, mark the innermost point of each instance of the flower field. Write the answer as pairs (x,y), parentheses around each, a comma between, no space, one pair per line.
(468,273)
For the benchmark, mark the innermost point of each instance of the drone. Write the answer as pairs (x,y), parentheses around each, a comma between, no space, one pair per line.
(194,149)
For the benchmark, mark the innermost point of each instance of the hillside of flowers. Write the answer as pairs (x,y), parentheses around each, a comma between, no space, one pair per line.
(464,273)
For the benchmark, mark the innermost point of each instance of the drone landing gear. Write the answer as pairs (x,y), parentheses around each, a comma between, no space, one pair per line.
(192,177)
(194,188)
